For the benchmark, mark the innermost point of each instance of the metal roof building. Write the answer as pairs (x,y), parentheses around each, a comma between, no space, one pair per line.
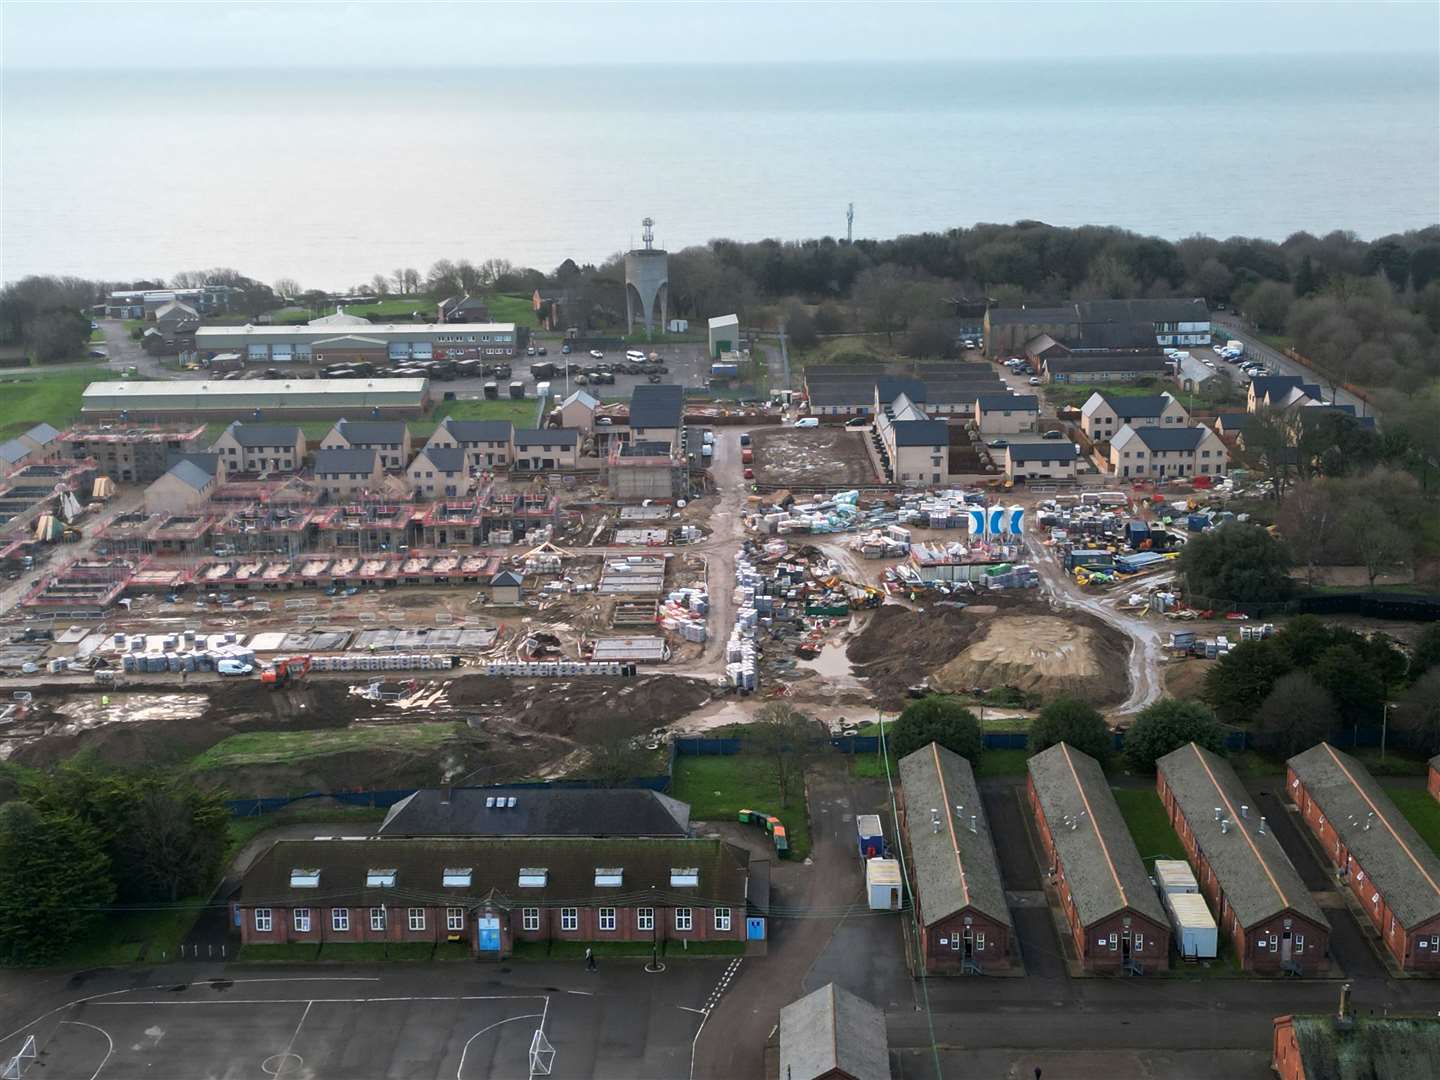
(270,398)
(1391,870)
(831,1034)
(234,337)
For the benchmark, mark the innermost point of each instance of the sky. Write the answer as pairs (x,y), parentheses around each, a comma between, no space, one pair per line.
(52,34)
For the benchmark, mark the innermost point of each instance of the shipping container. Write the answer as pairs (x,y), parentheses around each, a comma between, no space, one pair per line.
(871,836)
(1195,932)
(1175,875)
(882,884)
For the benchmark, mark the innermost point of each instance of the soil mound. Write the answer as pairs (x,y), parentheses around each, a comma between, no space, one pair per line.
(900,646)
(1041,654)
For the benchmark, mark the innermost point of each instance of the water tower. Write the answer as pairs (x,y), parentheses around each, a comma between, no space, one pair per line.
(647,284)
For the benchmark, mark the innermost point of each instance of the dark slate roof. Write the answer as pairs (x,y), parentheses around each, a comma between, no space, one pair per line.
(1127,406)
(264,434)
(191,474)
(1045,450)
(1143,311)
(1012,402)
(1316,412)
(369,432)
(42,433)
(1137,362)
(1374,1048)
(1267,384)
(1257,877)
(345,461)
(1402,866)
(507,579)
(954,868)
(831,1032)
(210,463)
(859,391)
(538,811)
(495,865)
(1234,421)
(473,431)
(890,387)
(1116,335)
(1105,872)
(1170,438)
(1033,316)
(922,433)
(445,458)
(660,405)
(546,436)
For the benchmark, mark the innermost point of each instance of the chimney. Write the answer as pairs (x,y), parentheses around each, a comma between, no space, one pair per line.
(1217,813)
(1224,826)
(1262,824)
(1244,811)
(972,823)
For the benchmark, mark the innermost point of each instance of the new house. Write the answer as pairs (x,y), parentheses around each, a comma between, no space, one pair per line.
(1164,453)
(488,444)
(1104,414)
(1391,871)
(657,414)
(1006,414)
(1260,902)
(960,906)
(917,447)
(539,449)
(345,474)
(254,448)
(1115,918)
(388,438)
(1280,392)
(1045,459)
(185,487)
(440,472)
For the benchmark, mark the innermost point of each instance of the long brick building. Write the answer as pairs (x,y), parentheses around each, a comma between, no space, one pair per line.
(494,892)
(1378,854)
(1116,921)
(960,904)
(1260,903)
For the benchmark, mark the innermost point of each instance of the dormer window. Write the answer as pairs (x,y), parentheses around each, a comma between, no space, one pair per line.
(304,879)
(380,879)
(684,877)
(609,876)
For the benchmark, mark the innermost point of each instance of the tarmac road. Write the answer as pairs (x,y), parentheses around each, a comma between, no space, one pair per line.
(1278,362)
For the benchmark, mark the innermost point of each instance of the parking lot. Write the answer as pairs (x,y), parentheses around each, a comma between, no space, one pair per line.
(620,1022)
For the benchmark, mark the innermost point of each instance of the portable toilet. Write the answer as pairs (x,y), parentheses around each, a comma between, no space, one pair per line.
(871,836)
(883,885)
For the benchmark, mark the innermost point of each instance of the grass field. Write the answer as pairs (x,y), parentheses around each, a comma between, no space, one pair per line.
(992,763)
(284,747)
(1061,394)
(1149,827)
(719,787)
(514,309)
(1421,810)
(52,396)
(128,937)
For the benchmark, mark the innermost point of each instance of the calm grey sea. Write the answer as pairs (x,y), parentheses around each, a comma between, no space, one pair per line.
(329,177)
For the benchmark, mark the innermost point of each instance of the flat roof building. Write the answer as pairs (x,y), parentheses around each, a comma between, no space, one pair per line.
(1260,903)
(1390,869)
(270,398)
(1116,921)
(965,924)
(376,342)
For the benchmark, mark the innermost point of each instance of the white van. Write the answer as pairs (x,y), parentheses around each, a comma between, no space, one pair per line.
(807,421)
(635,356)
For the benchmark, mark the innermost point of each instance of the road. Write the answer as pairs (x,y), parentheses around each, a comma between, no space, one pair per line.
(727,532)
(1278,362)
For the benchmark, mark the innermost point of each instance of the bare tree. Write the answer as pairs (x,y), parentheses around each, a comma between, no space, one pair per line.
(380,285)
(1310,520)
(791,740)
(1377,542)
(287,288)
(412,280)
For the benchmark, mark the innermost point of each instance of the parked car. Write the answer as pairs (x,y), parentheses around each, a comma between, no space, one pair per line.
(858,422)
(604,421)
(597,354)
(541,350)
(530,351)
(1034,380)
(565,349)
(749,474)
(1053,435)
(808,421)
(234,667)
(968,343)
(998,444)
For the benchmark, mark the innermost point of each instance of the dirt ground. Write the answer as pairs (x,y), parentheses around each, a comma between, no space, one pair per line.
(1186,678)
(1017,641)
(824,457)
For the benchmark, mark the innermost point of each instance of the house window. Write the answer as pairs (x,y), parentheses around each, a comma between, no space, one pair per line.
(1114,942)
(607,918)
(262,920)
(722,918)
(1299,943)
(569,918)
(454,918)
(1139,942)
(301,919)
(340,918)
(684,919)
(417,918)
(979,942)
(377,919)
(645,919)
(530,918)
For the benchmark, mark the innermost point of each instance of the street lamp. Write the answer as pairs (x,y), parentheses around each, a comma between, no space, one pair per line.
(655,966)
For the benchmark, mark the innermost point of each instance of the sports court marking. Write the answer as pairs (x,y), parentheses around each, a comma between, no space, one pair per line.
(109,1041)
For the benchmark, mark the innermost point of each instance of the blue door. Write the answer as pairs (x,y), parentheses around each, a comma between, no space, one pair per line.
(754,929)
(489,927)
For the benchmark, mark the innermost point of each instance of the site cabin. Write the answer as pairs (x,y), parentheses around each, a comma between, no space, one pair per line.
(1390,870)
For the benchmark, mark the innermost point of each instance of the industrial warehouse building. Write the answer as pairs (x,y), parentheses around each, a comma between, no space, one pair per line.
(376,343)
(1260,902)
(268,398)
(965,924)
(493,892)
(1115,917)
(1388,867)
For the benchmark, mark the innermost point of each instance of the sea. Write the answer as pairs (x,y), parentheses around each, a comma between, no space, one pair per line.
(331,176)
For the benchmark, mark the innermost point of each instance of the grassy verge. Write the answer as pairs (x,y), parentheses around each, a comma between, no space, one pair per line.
(623,950)
(128,937)
(871,766)
(1002,763)
(1394,763)
(1062,394)
(1278,342)
(240,831)
(1421,810)
(49,396)
(1148,824)
(282,747)
(352,952)
(718,788)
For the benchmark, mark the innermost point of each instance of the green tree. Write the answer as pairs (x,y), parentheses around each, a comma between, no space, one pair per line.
(1241,680)
(1070,720)
(800,326)
(1304,638)
(1168,725)
(938,719)
(1269,306)
(1427,651)
(1237,563)
(1358,690)
(54,883)
(1417,720)
(1295,715)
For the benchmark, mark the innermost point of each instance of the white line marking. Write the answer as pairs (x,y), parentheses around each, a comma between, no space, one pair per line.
(325,1001)
(106,1059)
(293,1036)
(582,993)
(466,1048)
(61,1008)
(687,1008)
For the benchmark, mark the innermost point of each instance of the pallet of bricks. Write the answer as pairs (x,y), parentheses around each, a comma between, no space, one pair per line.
(396,662)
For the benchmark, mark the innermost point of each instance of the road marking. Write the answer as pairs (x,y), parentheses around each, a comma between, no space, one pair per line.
(319,1001)
(106,1059)
(466,1048)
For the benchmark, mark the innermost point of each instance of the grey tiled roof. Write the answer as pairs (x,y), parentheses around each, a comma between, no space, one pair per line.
(1012,402)
(264,434)
(370,432)
(1032,316)
(831,1032)
(1105,872)
(1257,877)
(1045,450)
(187,472)
(657,406)
(444,458)
(546,437)
(538,811)
(922,433)
(344,461)
(1138,311)
(1402,866)
(953,867)
(1170,438)
(1079,365)
(1127,406)
(473,431)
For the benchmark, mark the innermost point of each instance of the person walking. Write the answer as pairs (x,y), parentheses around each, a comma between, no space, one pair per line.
(589,958)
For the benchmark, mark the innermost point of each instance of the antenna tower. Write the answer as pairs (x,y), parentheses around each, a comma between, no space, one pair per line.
(850,223)
(649,234)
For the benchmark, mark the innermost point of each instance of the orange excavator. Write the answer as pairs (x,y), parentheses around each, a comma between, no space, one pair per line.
(284,671)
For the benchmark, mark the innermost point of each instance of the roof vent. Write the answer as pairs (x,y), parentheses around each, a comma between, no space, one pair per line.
(1262,825)
(972,824)
(489,802)
(1244,811)
(511,802)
